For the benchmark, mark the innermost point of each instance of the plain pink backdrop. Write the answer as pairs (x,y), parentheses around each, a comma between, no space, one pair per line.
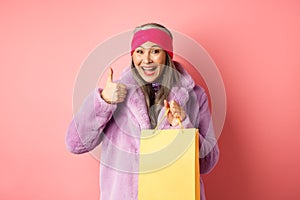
(255,45)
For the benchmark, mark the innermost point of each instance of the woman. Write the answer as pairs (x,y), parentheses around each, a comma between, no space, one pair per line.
(116,114)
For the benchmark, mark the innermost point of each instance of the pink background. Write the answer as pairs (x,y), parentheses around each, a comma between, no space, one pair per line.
(255,45)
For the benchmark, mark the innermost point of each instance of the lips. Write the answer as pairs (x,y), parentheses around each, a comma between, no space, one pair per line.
(149,70)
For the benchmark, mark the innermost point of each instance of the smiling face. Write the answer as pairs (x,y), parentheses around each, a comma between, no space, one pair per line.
(149,60)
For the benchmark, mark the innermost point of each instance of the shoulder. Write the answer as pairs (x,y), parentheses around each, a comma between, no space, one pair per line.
(201,95)
(188,82)
(127,76)
(199,90)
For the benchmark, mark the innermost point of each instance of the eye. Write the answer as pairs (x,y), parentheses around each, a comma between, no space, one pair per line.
(139,51)
(156,51)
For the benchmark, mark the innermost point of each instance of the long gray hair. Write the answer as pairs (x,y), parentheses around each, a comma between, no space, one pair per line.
(168,79)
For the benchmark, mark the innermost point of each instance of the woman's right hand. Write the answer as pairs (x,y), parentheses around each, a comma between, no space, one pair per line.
(113,92)
(175,113)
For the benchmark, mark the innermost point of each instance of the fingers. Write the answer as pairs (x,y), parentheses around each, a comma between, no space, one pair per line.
(120,86)
(116,94)
(166,104)
(173,105)
(118,98)
(119,93)
(176,110)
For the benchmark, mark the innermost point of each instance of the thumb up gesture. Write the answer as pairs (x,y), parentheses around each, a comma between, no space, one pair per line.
(113,92)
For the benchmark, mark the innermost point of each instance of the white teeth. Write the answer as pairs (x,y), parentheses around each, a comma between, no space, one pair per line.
(149,68)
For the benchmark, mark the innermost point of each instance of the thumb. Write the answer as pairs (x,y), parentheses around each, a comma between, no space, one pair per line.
(110,75)
(166,104)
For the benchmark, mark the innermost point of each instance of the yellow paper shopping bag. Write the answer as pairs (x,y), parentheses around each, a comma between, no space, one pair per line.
(169,165)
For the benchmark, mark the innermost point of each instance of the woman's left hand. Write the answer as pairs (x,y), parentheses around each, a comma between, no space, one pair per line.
(176,112)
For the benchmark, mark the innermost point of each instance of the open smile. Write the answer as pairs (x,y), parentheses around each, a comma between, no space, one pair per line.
(149,70)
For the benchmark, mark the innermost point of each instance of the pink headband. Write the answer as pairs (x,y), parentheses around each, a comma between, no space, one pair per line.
(154,35)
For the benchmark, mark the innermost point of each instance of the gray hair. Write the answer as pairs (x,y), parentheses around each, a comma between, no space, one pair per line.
(153,25)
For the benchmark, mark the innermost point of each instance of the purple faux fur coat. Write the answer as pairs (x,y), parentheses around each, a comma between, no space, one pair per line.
(117,127)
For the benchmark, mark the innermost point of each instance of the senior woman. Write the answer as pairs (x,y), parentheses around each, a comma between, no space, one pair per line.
(116,114)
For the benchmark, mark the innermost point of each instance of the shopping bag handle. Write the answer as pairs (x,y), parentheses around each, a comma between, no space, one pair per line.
(164,116)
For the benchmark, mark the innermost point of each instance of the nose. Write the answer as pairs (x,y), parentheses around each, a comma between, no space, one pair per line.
(147,57)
